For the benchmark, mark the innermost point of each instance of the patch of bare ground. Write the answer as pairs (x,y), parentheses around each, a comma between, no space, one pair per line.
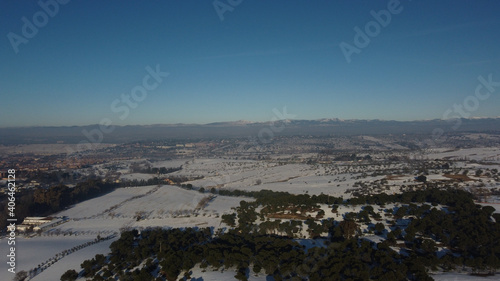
(458,177)
(285,180)
(287,216)
(394,177)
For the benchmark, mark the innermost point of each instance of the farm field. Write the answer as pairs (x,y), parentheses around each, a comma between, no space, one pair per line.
(158,206)
(170,206)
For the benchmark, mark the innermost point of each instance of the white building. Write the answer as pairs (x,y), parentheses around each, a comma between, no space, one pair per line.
(36,220)
(39,223)
(48,225)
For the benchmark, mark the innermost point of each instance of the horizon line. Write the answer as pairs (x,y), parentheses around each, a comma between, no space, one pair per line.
(243,122)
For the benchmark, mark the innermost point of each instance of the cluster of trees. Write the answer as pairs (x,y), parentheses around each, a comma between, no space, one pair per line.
(165,254)
(466,233)
(244,220)
(364,215)
(355,259)
(172,250)
(281,200)
(453,235)
(450,197)
(289,228)
(352,157)
(135,182)
(24,200)
(43,202)
(51,177)
(56,198)
(158,181)
(154,170)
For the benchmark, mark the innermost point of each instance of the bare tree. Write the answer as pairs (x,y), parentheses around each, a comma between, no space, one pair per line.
(21,275)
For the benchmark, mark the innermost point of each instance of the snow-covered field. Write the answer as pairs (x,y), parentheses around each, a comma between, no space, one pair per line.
(333,179)
(146,206)
(490,154)
(172,206)
(73,261)
(31,252)
(158,206)
(124,202)
(137,176)
(461,277)
(256,175)
(199,274)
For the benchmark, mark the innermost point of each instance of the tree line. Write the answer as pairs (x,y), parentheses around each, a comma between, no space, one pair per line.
(154,170)
(166,254)
(456,234)
(43,202)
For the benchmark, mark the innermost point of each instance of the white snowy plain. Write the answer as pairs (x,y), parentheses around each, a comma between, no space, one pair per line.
(159,206)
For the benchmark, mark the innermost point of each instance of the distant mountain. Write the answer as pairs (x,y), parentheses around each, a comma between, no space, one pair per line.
(232,123)
(75,134)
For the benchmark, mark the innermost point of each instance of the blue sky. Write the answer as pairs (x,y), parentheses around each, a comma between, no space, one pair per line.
(262,55)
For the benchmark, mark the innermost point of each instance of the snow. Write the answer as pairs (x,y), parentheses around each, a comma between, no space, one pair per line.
(460,276)
(137,176)
(161,206)
(73,261)
(490,154)
(98,205)
(164,206)
(293,178)
(494,205)
(174,163)
(30,252)
(172,206)
(226,275)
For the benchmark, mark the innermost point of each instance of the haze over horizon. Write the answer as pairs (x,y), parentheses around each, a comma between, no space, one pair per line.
(78,61)
(250,122)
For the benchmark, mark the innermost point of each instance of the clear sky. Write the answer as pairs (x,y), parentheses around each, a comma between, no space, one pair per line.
(242,62)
